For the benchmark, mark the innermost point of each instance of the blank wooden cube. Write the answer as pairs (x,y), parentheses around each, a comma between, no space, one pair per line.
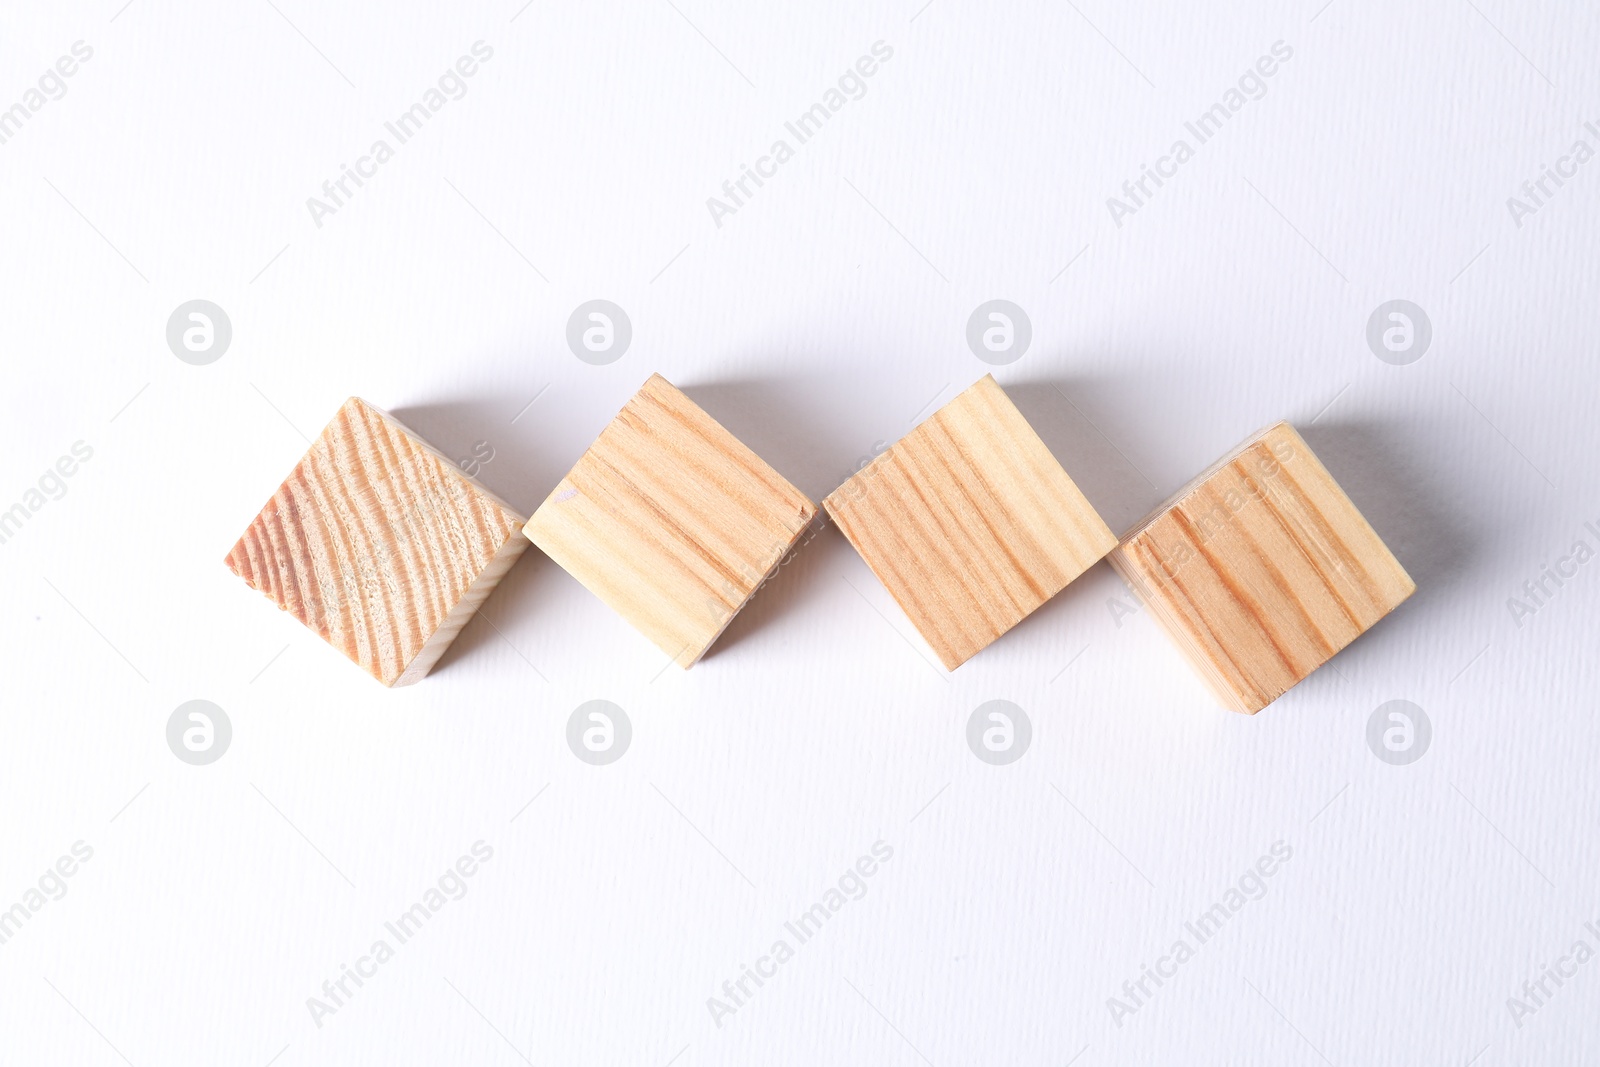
(670,520)
(1261,569)
(379,544)
(970,522)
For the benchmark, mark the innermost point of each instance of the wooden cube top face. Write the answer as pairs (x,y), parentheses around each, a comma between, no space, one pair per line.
(670,520)
(379,544)
(1262,569)
(970,522)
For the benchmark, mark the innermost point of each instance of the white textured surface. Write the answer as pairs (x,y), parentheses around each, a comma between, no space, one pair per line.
(1019,898)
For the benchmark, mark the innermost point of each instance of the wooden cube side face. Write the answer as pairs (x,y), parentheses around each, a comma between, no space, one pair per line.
(1263,570)
(970,522)
(379,545)
(670,520)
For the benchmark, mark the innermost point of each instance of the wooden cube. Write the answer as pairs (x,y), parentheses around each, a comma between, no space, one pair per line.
(379,544)
(670,520)
(970,522)
(1261,569)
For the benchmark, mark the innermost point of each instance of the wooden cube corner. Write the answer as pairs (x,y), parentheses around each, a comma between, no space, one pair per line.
(379,544)
(670,520)
(1261,569)
(970,522)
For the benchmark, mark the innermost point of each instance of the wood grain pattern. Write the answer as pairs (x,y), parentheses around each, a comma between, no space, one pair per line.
(970,522)
(670,520)
(1261,569)
(379,544)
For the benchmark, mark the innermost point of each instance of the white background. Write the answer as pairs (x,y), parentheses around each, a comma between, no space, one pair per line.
(826,315)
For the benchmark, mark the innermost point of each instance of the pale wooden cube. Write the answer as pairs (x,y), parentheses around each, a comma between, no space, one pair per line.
(379,544)
(970,522)
(1261,569)
(670,520)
